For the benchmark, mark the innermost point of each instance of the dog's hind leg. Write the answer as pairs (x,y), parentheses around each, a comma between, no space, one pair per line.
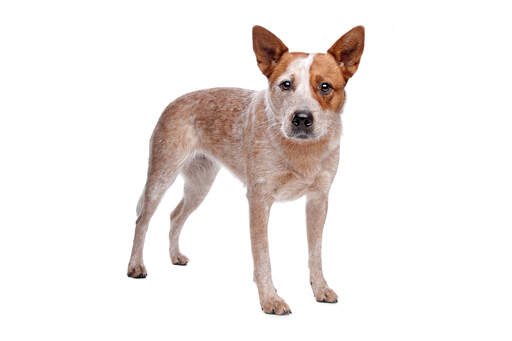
(199,172)
(168,154)
(153,192)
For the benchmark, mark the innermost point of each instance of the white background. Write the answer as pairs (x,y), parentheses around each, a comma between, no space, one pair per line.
(418,236)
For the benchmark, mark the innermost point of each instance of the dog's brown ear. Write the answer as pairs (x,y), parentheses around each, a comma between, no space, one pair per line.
(348,50)
(268,49)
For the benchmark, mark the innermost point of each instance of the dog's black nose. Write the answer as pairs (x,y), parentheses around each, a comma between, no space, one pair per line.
(302,118)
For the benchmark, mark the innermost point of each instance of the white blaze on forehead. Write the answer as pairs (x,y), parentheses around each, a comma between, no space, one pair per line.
(302,73)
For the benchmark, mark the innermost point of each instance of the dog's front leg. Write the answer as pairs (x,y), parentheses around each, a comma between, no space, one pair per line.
(270,302)
(316,211)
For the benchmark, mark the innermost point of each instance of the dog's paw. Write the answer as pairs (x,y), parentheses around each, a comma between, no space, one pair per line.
(179,259)
(137,271)
(326,295)
(275,305)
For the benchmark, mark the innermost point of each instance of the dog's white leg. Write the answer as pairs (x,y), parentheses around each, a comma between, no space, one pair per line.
(270,302)
(199,174)
(316,211)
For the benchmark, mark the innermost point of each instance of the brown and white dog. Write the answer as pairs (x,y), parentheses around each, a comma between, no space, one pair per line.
(282,143)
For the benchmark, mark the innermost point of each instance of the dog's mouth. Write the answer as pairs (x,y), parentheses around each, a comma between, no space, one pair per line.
(301,134)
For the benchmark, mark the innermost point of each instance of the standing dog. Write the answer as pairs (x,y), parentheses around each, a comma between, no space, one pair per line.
(282,143)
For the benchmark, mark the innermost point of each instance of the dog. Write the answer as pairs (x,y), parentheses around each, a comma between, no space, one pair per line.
(282,143)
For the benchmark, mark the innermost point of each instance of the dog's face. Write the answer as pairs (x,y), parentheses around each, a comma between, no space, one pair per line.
(306,91)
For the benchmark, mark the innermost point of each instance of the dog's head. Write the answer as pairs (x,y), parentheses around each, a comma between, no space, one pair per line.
(306,91)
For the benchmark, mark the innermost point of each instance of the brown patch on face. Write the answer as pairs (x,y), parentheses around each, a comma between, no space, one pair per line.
(325,69)
(284,62)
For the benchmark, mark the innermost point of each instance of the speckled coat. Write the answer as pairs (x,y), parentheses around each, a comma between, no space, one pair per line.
(257,136)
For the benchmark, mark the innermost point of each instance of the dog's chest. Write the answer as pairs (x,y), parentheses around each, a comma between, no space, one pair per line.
(290,186)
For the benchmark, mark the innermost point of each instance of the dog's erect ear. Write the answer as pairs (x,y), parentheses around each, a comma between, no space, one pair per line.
(348,50)
(268,49)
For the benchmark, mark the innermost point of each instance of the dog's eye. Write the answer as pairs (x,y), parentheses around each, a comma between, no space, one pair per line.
(286,85)
(325,88)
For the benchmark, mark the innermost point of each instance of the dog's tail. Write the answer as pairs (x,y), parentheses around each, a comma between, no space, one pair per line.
(140,202)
